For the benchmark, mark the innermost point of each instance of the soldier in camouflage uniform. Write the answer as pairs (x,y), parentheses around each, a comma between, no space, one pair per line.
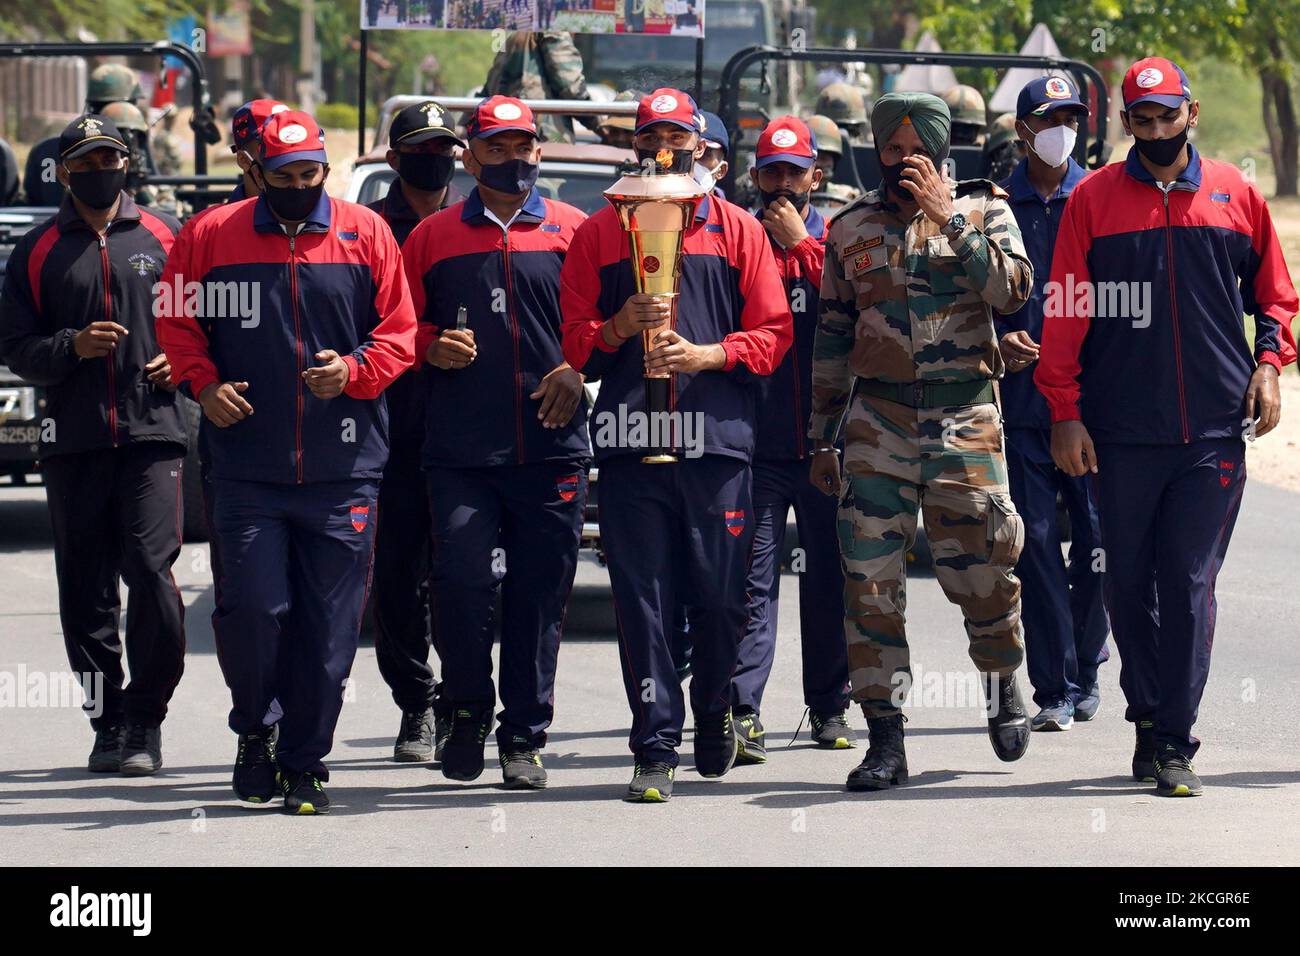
(828,196)
(914,271)
(969,117)
(540,66)
(844,105)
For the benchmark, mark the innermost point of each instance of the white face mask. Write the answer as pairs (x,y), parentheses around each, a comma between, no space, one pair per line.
(704,176)
(1054,144)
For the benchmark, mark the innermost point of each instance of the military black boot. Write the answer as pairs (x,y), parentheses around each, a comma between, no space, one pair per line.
(885,764)
(1008,722)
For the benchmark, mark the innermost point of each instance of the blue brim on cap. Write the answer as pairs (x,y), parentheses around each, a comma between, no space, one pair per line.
(309,155)
(504,129)
(803,162)
(1167,100)
(689,127)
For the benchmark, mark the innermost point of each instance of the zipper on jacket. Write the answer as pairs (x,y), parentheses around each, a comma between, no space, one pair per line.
(111,358)
(1173,306)
(794,354)
(297,335)
(514,335)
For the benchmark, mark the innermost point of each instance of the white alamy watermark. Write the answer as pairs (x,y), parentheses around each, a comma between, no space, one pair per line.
(1098,300)
(643,430)
(22,688)
(77,909)
(235,299)
(948,690)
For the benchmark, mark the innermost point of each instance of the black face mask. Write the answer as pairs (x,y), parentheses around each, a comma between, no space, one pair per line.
(427,171)
(512,177)
(97,188)
(892,176)
(667,160)
(798,200)
(291,203)
(1162,152)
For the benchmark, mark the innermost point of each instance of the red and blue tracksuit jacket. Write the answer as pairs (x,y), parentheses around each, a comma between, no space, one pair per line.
(730,293)
(784,396)
(509,284)
(1210,253)
(61,277)
(337,284)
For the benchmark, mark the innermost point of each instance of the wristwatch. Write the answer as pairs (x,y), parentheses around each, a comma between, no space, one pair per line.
(955,224)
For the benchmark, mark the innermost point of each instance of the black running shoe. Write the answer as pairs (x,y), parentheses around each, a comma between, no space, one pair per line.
(415,737)
(521,768)
(141,750)
(462,755)
(1175,775)
(715,744)
(831,731)
(652,782)
(441,722)
(750,746)
(1144,752)
(303,793)
(106,754)
(254,778)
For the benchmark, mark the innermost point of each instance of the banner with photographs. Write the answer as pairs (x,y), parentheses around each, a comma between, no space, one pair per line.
(664,17)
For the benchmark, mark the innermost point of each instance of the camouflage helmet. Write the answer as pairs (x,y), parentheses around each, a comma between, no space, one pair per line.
(126,116)
(111,82)
(622,122)
(1001,130)
(827,133)
(966,105)
(842,103)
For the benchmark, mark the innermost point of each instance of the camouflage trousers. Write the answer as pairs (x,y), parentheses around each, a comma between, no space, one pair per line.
(948,463)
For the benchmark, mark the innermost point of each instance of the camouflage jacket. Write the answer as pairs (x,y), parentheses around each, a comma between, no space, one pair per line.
(540,66)
(902,302)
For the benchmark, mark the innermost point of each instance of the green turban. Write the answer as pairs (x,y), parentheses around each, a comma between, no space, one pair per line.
(927,113)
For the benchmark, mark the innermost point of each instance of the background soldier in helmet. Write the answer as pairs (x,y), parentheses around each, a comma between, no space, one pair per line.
(845,105)
(1002,148)
(112,83)
(617,130)
(131,122)
(968,115)
(828,194)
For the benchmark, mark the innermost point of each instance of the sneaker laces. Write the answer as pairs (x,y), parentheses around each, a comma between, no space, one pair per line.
(465,729)
(110,738)
(1175,760)
(653,767)
(812,722)
(413,725)
(137,737)
(254,749)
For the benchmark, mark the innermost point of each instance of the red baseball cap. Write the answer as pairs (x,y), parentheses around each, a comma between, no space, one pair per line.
(248,120)
(787,139)
(289,137)
(1156,80)
(496,114)
(666,105)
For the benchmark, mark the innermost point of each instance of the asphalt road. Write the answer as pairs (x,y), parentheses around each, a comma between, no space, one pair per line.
(1068,802)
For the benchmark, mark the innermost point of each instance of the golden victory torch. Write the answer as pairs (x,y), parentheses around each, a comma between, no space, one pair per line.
(655,208)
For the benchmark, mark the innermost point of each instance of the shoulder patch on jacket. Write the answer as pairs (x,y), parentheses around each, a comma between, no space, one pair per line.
(967,186)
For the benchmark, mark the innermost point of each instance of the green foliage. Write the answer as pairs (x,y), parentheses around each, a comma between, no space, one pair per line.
(337,115)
